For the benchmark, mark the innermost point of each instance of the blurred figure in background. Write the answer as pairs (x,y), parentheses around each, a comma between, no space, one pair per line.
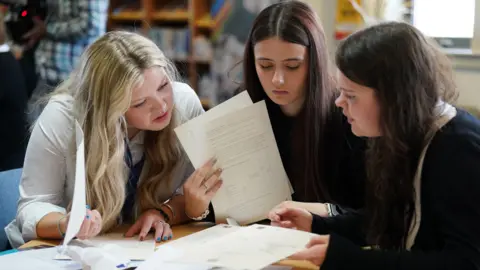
(13,100)
(71,25)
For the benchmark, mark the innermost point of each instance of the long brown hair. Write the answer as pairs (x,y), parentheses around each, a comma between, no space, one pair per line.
(410,76)
(296,22)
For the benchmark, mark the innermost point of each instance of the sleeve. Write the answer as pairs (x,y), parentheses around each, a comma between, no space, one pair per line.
(348,224)
(451,174)
(78,24)
(44,172)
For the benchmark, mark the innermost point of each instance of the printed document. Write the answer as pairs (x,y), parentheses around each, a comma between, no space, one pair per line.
(254,180)
(252,247)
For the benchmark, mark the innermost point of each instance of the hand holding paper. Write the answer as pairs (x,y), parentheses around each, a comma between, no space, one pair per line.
(239,134)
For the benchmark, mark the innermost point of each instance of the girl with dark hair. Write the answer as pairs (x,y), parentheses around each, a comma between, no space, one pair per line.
(423,156)
(286,64)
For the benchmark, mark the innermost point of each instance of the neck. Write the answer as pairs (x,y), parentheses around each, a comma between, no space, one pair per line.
(293,108)
(132,132)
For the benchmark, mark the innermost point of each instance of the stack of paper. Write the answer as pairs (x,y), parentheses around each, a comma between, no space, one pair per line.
(239,134)
(230,247)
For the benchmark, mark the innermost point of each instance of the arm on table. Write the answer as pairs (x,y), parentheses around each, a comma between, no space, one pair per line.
(44,173)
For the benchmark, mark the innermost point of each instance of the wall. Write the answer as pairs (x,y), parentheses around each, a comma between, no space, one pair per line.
(467,68)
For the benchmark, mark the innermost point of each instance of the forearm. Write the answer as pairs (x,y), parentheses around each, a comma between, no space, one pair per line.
(315,208)
(52,226)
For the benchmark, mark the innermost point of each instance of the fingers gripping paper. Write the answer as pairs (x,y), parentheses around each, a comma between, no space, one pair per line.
(242,140)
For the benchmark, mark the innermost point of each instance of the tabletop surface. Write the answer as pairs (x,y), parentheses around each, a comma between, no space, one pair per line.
(184,230)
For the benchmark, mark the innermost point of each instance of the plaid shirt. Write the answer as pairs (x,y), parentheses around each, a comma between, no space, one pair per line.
(72,25)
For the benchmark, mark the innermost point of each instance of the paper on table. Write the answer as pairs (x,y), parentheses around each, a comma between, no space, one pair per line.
(190,133)
(136,250)
(254,179)
(202,237)
(159,261)
(78,210)
(252,247)
(41,259)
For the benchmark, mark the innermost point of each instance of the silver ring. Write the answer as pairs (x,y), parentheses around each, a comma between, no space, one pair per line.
(205,186)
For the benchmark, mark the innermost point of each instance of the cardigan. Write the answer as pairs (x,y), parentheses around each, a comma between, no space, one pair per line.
(448,235)
(344,157)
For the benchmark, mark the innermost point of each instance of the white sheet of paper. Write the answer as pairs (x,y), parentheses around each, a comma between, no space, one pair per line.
(202,237)
(252,247)
(137,250)
(188,134)
(78,211)
(41,259)
(254,179)
(160,261)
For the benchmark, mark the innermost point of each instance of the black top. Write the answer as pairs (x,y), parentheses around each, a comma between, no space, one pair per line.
(449,233)
(344,157)
(13,102)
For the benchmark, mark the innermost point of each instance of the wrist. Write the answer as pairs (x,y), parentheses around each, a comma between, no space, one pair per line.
(197,214)
(62,225)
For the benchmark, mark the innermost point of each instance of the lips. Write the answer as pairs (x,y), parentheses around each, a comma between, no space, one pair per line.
(280,92)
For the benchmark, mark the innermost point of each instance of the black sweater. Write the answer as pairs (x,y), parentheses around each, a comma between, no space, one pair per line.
(13,102)
(449,234)
(344,153)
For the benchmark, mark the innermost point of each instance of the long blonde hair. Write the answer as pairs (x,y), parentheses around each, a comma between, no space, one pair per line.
(101,87)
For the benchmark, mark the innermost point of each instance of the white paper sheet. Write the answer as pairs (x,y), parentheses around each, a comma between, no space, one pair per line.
(168,255)
(202,237)
(253,174)
(252,247)
(190,137)
(41,259)
(78,211)
(135,249)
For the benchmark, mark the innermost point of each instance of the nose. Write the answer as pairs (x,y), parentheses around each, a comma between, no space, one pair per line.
(159,102)
(340,101)
(278,79)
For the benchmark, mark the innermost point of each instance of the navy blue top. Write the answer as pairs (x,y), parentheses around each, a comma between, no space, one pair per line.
(449,233)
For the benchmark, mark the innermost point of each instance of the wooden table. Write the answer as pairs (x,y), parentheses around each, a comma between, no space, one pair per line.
(184,230)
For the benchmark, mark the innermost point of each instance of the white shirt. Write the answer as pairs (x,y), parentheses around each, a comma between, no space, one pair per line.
(49,170)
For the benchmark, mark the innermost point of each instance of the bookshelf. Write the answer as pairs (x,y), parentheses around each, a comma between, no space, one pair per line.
(174,25)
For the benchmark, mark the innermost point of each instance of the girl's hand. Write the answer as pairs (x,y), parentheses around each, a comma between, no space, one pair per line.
(292,218)
(200,188)
(151,219)
(316,250)
(91,225)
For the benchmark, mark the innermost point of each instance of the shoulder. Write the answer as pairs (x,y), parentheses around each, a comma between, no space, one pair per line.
(55,123)
(463,131)
(187,103)
(452,160)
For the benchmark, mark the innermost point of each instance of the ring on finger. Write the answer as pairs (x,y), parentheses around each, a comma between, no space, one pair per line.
(205,186)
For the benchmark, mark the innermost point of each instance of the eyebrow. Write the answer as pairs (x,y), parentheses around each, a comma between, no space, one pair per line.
(346,90)
(284,60)
(162,84)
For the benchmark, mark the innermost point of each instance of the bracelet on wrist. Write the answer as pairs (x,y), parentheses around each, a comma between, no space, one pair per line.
(165,216)
(59,226)
(201,217)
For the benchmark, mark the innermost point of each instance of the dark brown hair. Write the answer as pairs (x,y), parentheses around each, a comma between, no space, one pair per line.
(410,76)
(3,34)
(296,22)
